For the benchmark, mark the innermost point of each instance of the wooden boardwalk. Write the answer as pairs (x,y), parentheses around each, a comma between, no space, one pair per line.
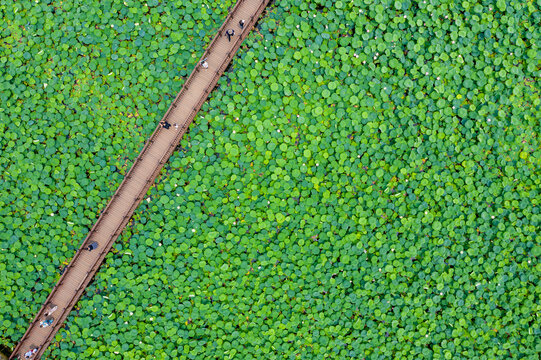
(142,174)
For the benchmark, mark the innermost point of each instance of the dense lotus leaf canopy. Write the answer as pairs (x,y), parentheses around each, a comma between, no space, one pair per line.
(362,183)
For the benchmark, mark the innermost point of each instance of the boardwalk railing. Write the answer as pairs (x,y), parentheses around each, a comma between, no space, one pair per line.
(138,180)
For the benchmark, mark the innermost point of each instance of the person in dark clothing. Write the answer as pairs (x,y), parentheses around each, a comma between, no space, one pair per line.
(165,124)
(230,33)
(241,24)
(92,246)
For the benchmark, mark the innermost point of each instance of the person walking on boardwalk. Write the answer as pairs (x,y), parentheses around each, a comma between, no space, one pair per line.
(241,24)
(204,63)
(230,33)
(92,246)
(46,322)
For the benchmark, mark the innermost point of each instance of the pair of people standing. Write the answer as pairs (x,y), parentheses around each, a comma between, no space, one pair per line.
(48,321)
(231,32)
(30,353)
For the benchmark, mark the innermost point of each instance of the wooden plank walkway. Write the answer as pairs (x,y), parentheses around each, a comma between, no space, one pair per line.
(142,174)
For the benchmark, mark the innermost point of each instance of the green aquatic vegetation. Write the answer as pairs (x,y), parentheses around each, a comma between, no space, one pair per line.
(363,182)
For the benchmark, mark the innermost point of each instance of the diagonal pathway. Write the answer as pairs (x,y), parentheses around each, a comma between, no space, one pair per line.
(146,167)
